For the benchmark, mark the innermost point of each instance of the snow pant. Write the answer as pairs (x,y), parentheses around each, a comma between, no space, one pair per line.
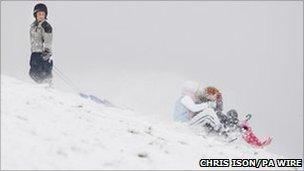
(207,117)
(41,70)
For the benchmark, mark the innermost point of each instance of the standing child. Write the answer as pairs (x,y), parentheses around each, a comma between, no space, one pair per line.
(41,46)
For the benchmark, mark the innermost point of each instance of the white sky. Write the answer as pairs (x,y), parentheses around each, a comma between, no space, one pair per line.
(136,54)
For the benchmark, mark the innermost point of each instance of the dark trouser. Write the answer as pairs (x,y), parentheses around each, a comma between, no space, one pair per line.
(41,70)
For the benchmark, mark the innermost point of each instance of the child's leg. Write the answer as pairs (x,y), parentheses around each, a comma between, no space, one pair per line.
(47,71)
(35,70)
(207,116)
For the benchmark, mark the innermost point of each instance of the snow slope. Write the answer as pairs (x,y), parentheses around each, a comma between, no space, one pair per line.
(48,129)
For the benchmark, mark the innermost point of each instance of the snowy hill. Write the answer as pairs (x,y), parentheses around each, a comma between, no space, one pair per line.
(48,129)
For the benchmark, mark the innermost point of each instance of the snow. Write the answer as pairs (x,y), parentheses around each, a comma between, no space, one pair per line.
(43,128)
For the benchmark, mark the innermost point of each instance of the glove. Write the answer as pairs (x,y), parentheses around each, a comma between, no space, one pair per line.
(212,105)
(46,55)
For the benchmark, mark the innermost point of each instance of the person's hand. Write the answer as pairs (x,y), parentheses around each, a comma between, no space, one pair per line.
(46,55)
(212,104)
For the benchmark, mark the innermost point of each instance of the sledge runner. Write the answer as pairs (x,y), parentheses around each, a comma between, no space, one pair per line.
(41,34)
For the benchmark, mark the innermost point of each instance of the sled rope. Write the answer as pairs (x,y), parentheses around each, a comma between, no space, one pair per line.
(66,83)
(70,83)
(66,79)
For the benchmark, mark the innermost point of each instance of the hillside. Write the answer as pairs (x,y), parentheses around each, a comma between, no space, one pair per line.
(49,129)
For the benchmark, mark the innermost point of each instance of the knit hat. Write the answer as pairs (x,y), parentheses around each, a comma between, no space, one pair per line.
(40,7)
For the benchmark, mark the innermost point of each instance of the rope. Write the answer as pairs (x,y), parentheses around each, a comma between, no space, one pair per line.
(66,79)
(70,83)
(63,79)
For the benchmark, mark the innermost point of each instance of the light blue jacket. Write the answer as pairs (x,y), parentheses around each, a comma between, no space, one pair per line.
(180,112)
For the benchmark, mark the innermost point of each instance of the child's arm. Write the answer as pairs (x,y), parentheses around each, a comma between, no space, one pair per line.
(189,104)
(47,38)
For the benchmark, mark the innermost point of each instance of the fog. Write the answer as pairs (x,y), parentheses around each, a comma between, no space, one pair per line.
(136,54)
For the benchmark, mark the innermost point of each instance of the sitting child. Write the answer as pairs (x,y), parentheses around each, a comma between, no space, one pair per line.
(188,108)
